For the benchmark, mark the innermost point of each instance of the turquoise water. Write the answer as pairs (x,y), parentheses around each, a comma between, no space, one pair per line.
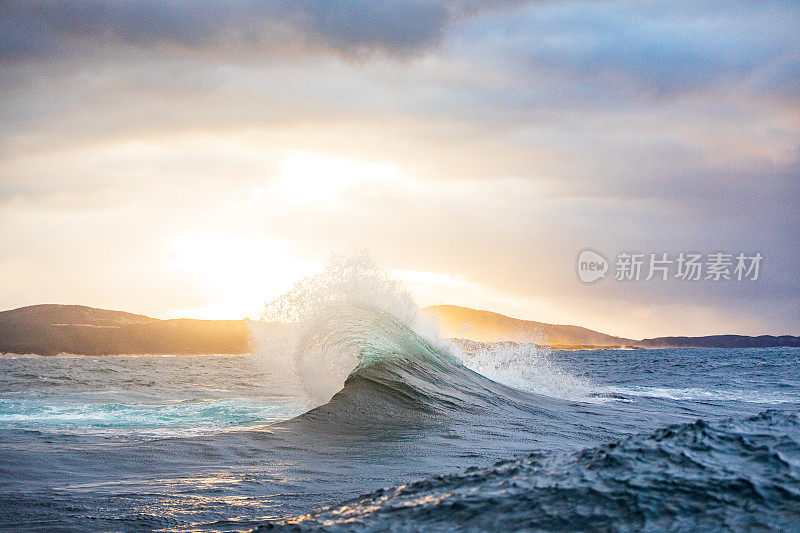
(138,397)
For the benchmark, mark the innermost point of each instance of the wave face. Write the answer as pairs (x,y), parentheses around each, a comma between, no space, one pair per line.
(737,474)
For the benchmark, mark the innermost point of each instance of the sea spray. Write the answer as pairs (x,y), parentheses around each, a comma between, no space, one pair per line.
(528,367)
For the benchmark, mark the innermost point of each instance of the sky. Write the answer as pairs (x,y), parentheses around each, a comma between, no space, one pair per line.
(195,159)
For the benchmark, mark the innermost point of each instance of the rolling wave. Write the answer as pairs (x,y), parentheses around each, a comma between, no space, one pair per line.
(737,474)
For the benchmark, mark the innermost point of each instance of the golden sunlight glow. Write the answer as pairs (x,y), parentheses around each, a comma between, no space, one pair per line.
(234,274)
(307,177)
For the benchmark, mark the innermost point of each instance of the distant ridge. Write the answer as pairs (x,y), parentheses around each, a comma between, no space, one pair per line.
(51,329)
(487,326)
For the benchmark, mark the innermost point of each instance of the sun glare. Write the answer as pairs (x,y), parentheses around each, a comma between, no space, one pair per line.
(307,177)
(234,274)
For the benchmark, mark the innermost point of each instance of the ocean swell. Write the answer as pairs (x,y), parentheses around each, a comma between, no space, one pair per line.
(737,474)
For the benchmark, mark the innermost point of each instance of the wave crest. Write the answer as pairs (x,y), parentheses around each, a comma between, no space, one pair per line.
(350,315)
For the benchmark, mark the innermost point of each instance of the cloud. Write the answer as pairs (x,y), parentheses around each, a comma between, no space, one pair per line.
(44,28)
(526,135)
(661,48)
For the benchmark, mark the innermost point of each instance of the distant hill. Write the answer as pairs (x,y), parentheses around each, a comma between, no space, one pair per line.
(486,326)
(52,329)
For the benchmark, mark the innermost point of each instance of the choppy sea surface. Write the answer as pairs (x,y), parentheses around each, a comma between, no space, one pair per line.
(418,438)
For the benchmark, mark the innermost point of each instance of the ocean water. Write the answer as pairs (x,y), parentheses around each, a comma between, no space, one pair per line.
(362,423)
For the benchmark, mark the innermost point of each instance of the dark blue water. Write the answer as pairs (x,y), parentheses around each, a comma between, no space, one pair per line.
(612,440)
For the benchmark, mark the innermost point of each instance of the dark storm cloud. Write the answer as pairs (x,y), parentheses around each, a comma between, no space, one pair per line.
(43,28)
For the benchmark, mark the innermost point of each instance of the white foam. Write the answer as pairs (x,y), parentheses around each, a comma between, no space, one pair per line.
(699,394)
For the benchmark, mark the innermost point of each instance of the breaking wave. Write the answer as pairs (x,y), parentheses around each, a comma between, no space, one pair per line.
(352,326)
(353,341)
(399,378)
